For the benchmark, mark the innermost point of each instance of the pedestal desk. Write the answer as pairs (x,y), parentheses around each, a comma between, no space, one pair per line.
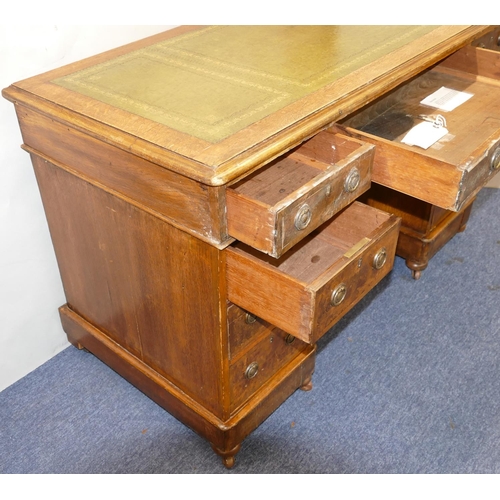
(202,196)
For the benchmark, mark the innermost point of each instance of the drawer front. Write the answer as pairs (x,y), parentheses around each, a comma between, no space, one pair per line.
(252,369)
(334,265)
(243,328)
(450,172)
(360,275)
(277,206)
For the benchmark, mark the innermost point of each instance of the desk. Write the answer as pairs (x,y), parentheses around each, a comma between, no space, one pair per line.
(203,208)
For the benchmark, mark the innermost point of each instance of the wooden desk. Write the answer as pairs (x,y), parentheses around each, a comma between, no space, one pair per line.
(203,210)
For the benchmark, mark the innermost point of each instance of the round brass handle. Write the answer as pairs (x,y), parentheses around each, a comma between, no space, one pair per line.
(252,370)
(380,259)
(495,160)
(303,217)
(352,181)
(250,318)
(338,294)
(289,339)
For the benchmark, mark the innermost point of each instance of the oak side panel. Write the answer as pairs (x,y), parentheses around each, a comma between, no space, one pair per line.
(183,201)
(152,288)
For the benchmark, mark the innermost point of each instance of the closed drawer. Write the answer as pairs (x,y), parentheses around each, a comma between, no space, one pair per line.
(309,289)
(280,204)
(451,172)
(243,328)
(256,366)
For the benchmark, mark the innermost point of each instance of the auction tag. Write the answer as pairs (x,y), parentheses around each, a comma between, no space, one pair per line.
(446,99)
(424,135)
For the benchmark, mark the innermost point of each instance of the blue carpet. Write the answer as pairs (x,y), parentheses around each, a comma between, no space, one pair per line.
(407,382)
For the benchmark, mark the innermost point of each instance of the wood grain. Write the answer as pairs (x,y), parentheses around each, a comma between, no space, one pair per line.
(137,214)
(179,200)
(425,228)
(262,209)
(224,435)
(142,281)
(284,291)
(258,143)
(270,354)
(451,172)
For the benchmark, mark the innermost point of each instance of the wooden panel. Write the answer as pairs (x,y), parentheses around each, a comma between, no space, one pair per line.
(270,355)
(318,179)
(224,435)
(243,328)
(359,276)
(425,228)
(151,288)
(184,202)
(283,291)
(417,215)
(266,138)
(475,61)
(489,41)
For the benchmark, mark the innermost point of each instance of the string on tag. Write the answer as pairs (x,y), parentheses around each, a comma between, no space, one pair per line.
(437,120)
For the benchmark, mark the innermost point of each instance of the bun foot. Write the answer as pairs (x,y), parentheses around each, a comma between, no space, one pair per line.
(416,274)
(307,386)
(228,457)
(80,347)
(416,268)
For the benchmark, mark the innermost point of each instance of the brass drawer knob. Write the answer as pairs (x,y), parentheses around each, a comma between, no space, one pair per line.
(289,339)
(380,259)
(339,294)
(495,160)
(303,217)
(252,370)
(352,181)
(250,318)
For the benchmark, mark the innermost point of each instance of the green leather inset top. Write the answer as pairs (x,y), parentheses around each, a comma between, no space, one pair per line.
(215,81)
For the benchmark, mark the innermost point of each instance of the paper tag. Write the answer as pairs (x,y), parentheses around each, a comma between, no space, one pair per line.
(424,135)
(446,99)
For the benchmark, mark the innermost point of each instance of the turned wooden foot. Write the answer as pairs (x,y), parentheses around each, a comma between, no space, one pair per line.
(416,268)
(227,456)
(307,386)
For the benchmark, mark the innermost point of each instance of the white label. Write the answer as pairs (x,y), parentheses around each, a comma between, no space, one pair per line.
(424,135)
(446,99)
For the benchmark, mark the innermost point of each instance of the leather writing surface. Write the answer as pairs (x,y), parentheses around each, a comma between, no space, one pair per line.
(214,82)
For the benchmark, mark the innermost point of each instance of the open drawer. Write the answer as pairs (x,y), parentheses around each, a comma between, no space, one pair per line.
(309,289)
(281,203)
(449,173)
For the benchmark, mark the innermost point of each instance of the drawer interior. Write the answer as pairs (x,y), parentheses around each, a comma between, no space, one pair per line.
(295,292)
(469,124)
(325,249)
(452,170)
(288,174)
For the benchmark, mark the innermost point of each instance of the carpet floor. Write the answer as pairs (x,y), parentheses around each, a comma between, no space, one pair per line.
(408,382)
